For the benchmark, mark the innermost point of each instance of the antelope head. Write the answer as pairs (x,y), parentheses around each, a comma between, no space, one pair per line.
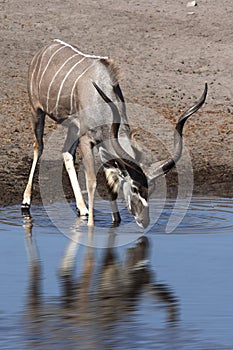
(124,171)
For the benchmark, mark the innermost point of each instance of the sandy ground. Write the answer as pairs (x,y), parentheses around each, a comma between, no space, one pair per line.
(166,51)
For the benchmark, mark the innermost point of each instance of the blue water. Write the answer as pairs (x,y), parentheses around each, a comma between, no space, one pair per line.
(191,267)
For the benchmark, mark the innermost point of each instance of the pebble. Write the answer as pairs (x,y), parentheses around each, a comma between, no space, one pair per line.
(191,4)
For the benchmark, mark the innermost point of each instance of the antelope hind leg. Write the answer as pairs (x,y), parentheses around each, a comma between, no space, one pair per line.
(38,120)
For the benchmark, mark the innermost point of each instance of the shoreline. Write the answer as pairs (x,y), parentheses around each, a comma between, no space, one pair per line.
(165,54)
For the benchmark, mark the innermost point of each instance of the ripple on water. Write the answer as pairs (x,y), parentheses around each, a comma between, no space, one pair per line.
(204,215)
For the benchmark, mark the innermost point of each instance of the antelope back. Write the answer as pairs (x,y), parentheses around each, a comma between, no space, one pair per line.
(60,79)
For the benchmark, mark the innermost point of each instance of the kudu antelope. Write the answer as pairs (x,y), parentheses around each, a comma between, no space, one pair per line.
(66,85)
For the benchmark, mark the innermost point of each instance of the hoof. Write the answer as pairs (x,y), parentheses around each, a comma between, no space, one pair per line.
(82,215)
(25,209)
(116,219)
(115,224)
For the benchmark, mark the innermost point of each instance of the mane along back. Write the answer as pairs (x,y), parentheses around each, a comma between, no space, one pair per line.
(113,69)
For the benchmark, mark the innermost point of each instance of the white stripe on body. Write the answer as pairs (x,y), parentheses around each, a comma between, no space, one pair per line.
(75,103)
(33,72)
(39,56)
(57,72)
(72,91)
(63,81)
(49,61)
(79,52)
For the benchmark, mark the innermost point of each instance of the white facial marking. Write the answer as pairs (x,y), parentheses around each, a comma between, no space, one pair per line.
(143,200)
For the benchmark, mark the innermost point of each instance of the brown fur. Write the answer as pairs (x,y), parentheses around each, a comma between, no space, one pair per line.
(113,69)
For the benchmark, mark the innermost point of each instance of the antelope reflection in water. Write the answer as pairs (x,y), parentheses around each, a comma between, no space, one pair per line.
(106,292)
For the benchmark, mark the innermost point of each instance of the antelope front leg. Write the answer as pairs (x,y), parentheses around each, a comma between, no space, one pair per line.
(89,166)
(116,218)
(69,150)
(69,164)
(91,186)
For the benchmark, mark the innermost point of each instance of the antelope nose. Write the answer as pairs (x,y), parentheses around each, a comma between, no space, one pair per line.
(143,222)
(143,219)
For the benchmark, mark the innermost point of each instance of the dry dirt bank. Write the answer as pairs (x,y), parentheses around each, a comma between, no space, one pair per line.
(166,54)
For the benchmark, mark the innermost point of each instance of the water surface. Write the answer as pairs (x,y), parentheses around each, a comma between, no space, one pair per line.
(184,286)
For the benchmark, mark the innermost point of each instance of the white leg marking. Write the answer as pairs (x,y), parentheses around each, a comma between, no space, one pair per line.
(68,259)
(48,63)
(91,186)
(57,72)
(89,166)
(69,164)
(28,190)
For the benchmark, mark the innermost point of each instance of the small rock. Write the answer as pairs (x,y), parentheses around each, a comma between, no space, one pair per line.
(191,4)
